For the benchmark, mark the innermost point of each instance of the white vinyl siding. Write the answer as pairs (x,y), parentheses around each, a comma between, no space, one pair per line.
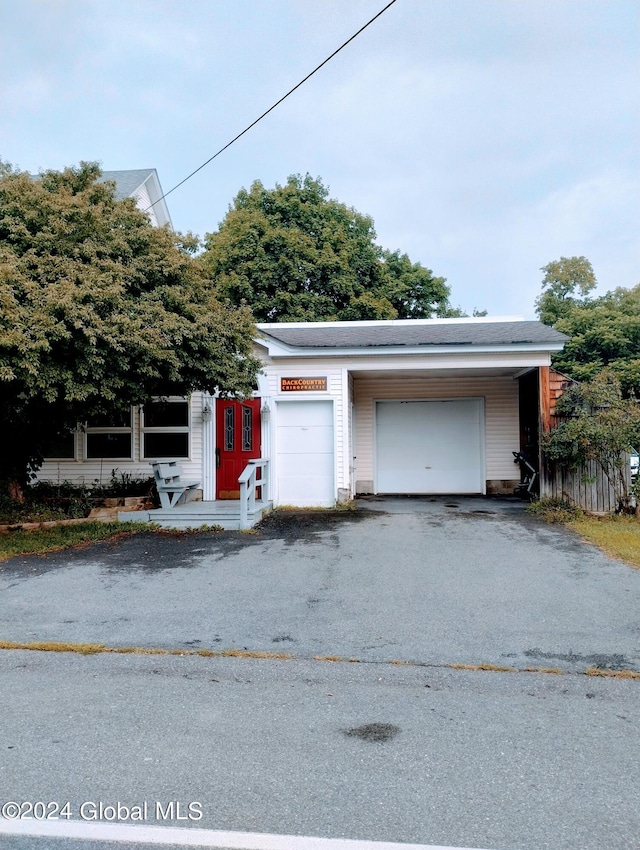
(88,471)
(143,202)
(337,383)
(502,434)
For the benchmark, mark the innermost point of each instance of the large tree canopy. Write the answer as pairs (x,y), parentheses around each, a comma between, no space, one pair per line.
(603,331)
(294,254)
(100,310)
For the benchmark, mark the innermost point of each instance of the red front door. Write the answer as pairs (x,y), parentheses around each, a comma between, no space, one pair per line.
(237,441)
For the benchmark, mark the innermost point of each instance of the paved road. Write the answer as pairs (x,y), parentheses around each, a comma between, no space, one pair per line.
(472,759)
(371,750)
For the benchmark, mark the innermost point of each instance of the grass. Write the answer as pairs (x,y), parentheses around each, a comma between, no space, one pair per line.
(339,507)
(618,536)
(249,653)
(496,668)
(612,674)
(555,671)
(42,540)
(555,511)
(56,646)
(101,648)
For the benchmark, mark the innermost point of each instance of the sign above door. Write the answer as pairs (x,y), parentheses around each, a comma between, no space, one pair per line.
(302,385)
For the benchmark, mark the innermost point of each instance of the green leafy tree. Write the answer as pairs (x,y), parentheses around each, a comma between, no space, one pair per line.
(563,279)
(597,424)
(294,254)
(604,331)
(100,310)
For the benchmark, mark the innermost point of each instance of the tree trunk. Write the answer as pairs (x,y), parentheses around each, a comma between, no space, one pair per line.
(15,491)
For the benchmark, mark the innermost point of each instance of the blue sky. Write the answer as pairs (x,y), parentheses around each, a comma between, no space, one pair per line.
(485,137)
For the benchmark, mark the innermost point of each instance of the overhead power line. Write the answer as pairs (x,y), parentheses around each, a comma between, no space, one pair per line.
(276,104)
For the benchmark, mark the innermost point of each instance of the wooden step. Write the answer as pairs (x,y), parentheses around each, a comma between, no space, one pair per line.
(223,514)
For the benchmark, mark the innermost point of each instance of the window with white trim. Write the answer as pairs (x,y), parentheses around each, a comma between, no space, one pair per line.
(110,437)
(165,429)
(60,447)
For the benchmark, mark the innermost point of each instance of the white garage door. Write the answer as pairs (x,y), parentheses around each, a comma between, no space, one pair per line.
(304,451)
(430,446)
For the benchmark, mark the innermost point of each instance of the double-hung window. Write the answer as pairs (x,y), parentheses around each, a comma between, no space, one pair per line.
(61,447)
(165,429)
(110,437)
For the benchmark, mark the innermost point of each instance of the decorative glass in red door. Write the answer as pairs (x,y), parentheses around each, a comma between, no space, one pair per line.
(237,441)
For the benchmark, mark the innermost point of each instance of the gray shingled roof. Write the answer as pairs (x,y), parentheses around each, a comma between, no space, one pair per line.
(371,336)
(126,181)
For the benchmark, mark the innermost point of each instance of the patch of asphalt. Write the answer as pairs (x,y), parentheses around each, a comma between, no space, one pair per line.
(373,732)
(602,662)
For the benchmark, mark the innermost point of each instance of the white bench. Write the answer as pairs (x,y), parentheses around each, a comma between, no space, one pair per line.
(171,488)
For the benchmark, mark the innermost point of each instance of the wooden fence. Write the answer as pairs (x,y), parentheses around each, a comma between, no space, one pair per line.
(588,488)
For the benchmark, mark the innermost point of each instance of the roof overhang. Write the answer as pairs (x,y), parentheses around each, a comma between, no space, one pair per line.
(278,350)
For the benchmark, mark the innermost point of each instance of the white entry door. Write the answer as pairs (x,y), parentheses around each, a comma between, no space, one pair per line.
(430,446)
(305,454)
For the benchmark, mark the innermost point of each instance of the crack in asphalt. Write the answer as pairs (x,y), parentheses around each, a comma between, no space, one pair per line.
(97,649)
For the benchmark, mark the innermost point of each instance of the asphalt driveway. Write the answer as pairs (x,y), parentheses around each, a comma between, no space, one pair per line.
(431,580)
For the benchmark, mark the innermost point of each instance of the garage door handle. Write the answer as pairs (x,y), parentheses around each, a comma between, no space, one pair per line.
(428,467)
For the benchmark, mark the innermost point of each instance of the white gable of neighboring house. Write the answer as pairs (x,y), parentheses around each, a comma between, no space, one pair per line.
(142,184)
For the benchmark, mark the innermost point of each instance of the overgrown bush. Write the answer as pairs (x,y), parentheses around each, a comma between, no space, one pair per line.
(598,424)
(49,500)
(555,510)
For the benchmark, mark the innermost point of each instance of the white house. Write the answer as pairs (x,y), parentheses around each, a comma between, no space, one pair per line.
(341,408)
(432,406)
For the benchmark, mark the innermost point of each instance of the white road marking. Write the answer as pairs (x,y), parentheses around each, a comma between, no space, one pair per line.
(191,837)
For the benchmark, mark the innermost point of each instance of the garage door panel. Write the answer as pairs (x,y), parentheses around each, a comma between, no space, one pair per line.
(303,492)
(305,413)
(430,446)
(311,465)
(305,439)
(305,453)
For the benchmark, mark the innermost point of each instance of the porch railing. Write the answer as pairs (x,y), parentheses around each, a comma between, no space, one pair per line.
(249,482)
